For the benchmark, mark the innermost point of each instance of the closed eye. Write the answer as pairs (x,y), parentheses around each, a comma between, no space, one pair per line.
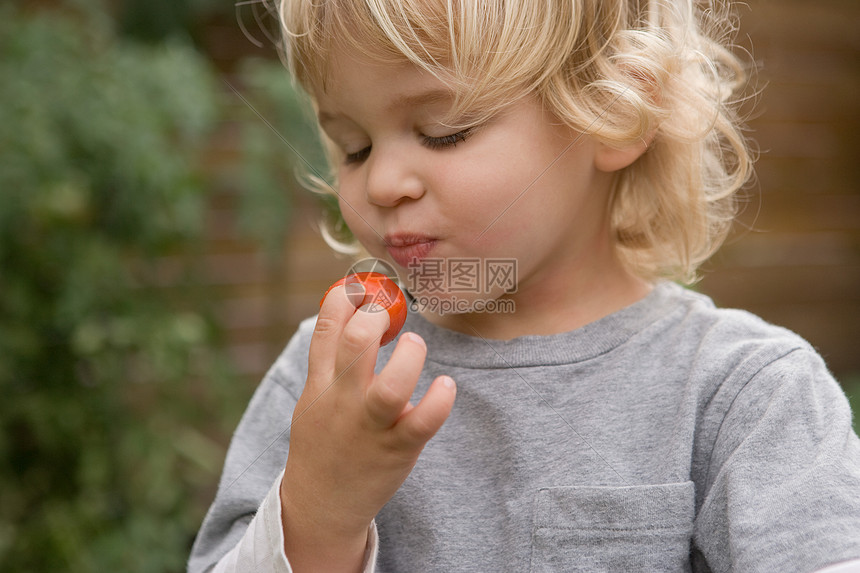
(358,156)
(434,143)
(446,141)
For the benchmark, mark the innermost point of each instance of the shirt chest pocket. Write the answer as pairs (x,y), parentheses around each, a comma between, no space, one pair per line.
(594,528)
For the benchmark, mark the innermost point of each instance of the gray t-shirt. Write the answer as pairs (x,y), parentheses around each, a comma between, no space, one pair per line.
(669,436)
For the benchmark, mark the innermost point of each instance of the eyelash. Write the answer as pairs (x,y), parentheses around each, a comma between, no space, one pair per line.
(357,157)
(434,143)
(447,140)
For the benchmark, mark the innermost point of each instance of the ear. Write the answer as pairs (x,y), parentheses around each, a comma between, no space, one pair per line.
(610,159)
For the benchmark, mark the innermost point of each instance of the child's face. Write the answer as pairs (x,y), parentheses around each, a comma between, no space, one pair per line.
(522,186)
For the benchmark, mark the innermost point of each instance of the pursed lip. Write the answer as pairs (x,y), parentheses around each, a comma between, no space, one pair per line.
(406,248)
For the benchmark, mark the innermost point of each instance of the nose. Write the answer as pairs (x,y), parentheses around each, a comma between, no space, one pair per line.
(392,176)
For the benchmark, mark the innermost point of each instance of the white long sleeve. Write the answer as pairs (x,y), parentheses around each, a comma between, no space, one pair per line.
(846,567)
(261,549)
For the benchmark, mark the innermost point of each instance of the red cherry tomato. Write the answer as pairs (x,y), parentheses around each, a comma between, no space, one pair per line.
(379,290)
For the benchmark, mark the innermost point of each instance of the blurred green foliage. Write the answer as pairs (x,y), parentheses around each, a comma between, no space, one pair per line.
(157,20)
(109,367)
(280,142)
(279,137)
(851,384)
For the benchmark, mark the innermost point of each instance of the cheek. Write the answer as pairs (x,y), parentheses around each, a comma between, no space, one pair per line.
(353,220)
(494,195)
(355,217)
(520,207)
(484,182)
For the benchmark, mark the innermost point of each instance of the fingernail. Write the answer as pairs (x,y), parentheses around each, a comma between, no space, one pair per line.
(415,338)
(448,382)
(355,293)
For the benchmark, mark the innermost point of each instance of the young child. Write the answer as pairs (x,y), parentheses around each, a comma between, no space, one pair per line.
(538,172)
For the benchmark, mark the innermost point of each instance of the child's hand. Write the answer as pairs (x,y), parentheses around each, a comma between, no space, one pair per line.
(355,436)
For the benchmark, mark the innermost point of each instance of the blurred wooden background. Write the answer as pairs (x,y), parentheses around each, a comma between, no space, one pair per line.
(797,263)
(794,260)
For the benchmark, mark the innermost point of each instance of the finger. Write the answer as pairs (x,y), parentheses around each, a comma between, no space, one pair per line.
(389,393)
(421,423)
(358,346)
(336,310)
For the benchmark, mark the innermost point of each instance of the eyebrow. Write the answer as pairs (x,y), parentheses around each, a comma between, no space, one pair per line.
(420,98)
(401,101)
